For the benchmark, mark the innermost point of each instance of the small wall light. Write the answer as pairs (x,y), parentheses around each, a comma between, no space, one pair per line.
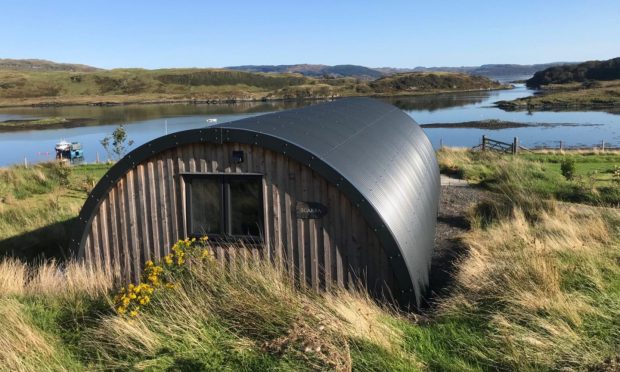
(237,157)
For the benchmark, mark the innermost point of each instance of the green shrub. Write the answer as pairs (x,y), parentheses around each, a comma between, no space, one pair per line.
(567,167)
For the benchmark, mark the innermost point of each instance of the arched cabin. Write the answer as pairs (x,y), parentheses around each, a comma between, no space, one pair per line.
(336,191)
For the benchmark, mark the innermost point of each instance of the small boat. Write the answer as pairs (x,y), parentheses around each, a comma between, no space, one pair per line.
(69,150)
(212,120)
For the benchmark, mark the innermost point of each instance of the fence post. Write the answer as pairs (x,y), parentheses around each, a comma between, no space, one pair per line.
(484,142)
(603,145)
(515,146)
(441,143)
(561,145)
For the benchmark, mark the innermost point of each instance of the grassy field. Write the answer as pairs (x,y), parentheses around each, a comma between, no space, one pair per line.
(37,204)
(603,95)
(123,86)
(538,288)
(596,180)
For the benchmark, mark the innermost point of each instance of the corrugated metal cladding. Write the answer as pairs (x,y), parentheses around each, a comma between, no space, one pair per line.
(384,155)
(373,152)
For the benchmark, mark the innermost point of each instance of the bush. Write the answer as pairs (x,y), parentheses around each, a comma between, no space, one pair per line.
(567,167)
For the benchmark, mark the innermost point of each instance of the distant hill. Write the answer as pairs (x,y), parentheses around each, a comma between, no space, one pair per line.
(42,65)
(430,81)
(577,73)
(117,86)
(336,71)
(500,72)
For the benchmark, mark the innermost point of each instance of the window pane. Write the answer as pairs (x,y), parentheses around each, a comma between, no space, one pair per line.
(245,206)
(206,206)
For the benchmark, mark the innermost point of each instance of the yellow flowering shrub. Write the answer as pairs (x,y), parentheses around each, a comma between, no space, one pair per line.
(156,275)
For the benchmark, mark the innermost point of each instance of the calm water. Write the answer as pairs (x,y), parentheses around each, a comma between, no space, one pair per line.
(146,122)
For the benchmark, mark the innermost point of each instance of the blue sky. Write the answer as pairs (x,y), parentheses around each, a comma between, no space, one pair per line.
(155,34)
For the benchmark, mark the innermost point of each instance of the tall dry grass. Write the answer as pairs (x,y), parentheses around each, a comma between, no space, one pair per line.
(52,279)
(24,347)
(544,285)
(252,308)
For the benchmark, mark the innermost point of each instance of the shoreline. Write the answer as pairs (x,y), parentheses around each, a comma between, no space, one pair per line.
(605,97)
(123,100)
(491,124)
(46,123)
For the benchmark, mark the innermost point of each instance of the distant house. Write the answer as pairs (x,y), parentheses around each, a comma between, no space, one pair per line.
(336,192)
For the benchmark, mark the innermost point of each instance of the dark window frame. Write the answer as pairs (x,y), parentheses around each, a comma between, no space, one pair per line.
(225,206)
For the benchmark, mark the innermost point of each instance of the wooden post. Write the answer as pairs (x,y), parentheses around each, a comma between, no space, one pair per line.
(484,142)
(441,143)
(515,146)
(603,145)
(25,162)
(561,145)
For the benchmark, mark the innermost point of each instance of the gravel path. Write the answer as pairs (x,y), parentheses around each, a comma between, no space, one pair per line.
(455,201)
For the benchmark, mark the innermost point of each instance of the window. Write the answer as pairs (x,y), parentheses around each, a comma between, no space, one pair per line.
(225,205)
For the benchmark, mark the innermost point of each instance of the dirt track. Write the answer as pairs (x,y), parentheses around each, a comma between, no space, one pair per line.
(454,204)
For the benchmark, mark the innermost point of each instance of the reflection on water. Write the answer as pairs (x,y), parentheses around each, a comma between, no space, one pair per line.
(146,122)
(97,115)
(436,102)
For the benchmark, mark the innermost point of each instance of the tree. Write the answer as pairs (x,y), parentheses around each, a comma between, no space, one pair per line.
(119,143)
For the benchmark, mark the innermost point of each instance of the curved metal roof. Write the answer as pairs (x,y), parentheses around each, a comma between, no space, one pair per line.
(383,154)
(374,152)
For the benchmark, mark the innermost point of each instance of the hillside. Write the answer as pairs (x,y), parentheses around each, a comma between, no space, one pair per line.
(589,85)
(591,70)
(42,65)
(427,81)
(355,71)
(120,86)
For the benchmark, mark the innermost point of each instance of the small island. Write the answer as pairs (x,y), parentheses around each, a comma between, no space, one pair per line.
(593,85)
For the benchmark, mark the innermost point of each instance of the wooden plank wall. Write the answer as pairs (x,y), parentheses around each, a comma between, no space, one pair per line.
(144,214)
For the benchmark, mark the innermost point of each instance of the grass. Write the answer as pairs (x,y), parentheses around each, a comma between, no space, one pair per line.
(537,289)
(37,204)
(596,180)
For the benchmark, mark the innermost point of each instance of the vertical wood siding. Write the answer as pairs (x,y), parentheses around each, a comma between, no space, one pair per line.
(145,213)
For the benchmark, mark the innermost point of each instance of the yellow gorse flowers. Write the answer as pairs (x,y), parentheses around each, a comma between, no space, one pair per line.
(154,276)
